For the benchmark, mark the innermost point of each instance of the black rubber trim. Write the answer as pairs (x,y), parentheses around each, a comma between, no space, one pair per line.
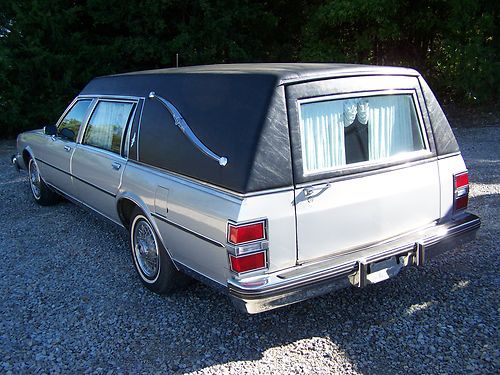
(187,230)
(77,178)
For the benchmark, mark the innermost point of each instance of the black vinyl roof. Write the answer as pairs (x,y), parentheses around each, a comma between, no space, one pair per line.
(238,111)
(285,72)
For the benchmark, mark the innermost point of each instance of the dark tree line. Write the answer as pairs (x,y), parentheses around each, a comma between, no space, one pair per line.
(49,49)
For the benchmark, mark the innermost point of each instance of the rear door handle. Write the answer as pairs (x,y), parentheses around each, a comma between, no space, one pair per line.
(116,165)
(309,191)
(67,148)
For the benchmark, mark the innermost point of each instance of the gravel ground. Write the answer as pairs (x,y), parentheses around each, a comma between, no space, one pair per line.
(71,302)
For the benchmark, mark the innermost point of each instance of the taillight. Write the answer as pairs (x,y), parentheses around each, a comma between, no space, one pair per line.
(247,263)
(244,233)
(247,246)
(461,191)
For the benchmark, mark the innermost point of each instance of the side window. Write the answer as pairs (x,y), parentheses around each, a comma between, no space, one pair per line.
(73,119)
(340,132)
(107,124)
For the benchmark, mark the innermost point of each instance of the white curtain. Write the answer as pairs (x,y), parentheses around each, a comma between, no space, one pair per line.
(390,119)
(106,125)
(322,129)
(389,126)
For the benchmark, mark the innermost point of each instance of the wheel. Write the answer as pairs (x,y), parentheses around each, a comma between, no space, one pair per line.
(42,194)
(151,260)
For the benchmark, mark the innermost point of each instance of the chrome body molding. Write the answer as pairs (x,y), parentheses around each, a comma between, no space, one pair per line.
(261,293)
(181,227)
(186,130)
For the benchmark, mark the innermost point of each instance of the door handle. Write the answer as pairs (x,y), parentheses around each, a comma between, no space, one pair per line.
(309,191)
(67,148)
(116,165)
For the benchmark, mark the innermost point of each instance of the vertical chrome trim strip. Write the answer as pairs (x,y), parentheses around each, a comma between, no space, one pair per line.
(139,129)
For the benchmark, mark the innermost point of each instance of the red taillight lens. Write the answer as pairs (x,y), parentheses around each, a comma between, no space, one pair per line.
(461,191)
(246,233)
(248,262)
(461,180)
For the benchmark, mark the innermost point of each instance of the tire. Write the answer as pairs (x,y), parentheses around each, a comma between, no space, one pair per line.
(150,258)
(41,193)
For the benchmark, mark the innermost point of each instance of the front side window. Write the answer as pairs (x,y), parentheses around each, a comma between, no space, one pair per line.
(336,133)
(106,125)
(74,118)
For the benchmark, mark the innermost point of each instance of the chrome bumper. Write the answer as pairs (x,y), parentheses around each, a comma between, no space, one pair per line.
(359,268)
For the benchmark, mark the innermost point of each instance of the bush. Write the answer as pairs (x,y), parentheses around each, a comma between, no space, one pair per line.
(49,49)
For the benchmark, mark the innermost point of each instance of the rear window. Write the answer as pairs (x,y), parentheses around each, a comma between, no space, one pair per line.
(107,124)
(339,132)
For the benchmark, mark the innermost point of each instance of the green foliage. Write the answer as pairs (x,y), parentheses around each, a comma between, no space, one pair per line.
(454,43)
(49,49)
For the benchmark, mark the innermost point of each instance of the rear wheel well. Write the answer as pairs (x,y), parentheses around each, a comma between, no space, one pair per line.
(125,209)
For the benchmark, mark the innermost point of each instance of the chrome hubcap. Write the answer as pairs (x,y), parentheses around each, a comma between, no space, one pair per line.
(146,249)
(35,182)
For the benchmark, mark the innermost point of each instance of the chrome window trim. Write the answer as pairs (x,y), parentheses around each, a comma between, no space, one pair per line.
(125,128)
(137,156)
(426,152)
(70,107)
(116,97)
(125,144)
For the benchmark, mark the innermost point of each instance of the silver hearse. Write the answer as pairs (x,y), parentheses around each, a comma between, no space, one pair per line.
(272,182)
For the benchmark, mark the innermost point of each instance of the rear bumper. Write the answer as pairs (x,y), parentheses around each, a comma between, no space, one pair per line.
(260,293)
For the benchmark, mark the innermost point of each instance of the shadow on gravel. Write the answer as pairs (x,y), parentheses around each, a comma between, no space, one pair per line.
(72,303)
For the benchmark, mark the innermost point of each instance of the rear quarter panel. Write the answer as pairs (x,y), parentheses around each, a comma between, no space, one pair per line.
(191,219)
(449,166)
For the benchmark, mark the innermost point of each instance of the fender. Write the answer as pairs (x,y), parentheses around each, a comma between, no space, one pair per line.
(143,206)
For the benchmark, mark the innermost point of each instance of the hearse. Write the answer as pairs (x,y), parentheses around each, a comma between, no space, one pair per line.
(271,182)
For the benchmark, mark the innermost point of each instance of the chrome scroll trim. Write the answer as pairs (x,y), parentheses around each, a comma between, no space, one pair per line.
(186,130)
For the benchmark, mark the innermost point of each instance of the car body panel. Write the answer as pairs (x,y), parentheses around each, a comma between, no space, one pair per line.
(97,176)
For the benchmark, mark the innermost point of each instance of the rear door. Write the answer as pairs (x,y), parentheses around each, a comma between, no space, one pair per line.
(364,162)
(100,158)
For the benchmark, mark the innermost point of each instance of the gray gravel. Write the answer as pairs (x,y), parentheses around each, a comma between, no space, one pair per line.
(71,302)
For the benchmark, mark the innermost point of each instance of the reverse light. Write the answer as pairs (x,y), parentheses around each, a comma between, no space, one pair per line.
(244,233)
(460,191)
(247,263)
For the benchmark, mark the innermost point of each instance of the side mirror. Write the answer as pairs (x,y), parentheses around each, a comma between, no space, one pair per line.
(50,130)
(67,134)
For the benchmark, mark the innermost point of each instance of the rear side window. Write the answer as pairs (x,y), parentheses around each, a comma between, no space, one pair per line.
(74,118)
(336,133)
(107,125)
